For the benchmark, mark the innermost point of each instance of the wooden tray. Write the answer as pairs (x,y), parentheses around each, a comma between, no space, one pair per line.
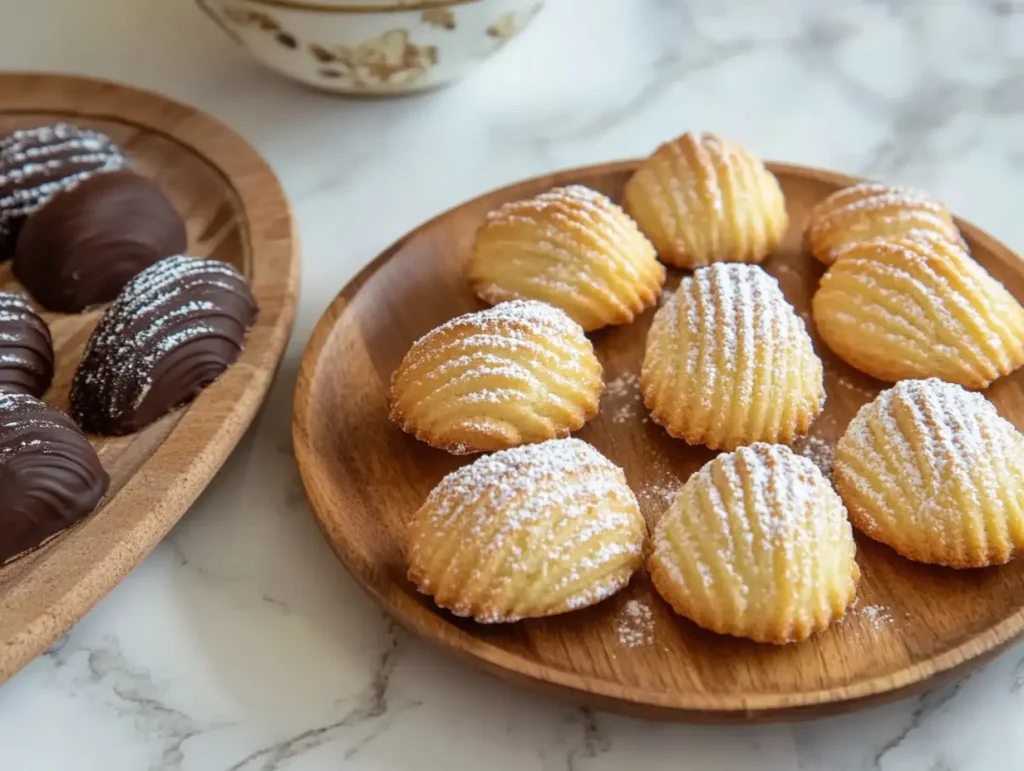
(235,211)
(914,624)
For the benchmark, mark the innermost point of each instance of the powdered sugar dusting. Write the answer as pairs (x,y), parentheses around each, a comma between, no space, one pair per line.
(728,334)
(951,431)
(819,451)
(635,626)
(623,392)
(875,616)
(36,164)
(170,303)
(519,502)
(788,509)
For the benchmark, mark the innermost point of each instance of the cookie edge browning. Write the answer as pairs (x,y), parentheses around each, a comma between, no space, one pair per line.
(667,246)
(827,253)
(492,293)
(888,371)
(486,614)
(457,448)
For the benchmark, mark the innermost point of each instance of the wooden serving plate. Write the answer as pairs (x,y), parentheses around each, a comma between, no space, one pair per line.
(913,625)
(235,211)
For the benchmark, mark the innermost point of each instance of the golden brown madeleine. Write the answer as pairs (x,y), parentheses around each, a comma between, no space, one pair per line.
(757,544)
(933,471)
(702,199)
(571,247)
(516,373)
(533,531)
(870,210)
(729,362)
(919,307)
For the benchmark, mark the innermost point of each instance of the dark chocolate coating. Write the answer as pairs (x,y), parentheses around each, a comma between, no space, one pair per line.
(50,476)
(83,245)
(26,347)
(171,332)
(37,163)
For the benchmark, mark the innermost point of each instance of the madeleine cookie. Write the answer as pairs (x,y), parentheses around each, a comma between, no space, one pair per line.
(934,472)
(702,199)
(870,210)
(519,372)
(757,544)
(918,307)
(571,247)
(527,532)
(729,362)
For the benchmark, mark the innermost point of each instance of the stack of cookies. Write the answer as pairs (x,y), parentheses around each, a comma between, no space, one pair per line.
(758,543)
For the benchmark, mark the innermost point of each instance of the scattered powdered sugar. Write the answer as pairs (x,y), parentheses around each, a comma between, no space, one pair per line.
(877,616)
(817,450)
(635,625)
(624,392)
(856,388)
(658,496)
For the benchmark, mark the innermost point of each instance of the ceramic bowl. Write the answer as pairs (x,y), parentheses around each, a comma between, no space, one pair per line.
(371,46)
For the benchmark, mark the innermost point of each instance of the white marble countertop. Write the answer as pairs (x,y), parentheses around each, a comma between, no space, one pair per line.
(241,643)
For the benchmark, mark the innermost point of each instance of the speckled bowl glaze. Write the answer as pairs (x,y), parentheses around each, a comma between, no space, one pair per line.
(373,46)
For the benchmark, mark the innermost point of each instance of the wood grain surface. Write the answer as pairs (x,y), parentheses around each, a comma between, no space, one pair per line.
(913,624)
(235,211)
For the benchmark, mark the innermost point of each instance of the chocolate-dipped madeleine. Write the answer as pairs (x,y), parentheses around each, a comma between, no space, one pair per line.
(171,332)
(50,476)
(37,163)
(84,244)
(26,347)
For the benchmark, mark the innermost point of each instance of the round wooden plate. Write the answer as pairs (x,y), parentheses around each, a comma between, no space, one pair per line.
(365,478)
(235,211)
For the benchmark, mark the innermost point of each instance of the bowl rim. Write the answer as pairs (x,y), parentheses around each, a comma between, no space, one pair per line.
(359,6)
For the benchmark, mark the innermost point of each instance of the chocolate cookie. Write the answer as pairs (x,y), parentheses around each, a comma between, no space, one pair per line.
(26,348)
(37,163)
(82,246)
(50,476)
(171,332)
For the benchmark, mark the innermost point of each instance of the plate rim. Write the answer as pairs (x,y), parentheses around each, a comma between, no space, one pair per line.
(613,697)
(273,255)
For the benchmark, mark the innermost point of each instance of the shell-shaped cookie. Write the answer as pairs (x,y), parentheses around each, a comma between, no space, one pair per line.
(532,531)
(757,544)
(517,373)
(702,199)
(919,307)
(571,247)
(871,210)
(729,362)
(26,347)
(933,471)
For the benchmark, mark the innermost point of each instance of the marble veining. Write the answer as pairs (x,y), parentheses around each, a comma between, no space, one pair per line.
(240,643)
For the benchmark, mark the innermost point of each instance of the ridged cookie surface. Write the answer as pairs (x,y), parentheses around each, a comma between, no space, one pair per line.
(519,372)
(757,544)
(871,210)
(936,473)
(531,531)
(729,362)
(571,247)
(919,307)
(702,199)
